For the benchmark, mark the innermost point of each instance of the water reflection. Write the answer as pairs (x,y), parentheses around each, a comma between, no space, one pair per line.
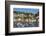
(33,24)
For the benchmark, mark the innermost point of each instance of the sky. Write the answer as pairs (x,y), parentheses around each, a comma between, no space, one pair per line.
(27,10)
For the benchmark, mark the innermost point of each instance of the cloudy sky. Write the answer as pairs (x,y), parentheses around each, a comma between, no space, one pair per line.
(27,10)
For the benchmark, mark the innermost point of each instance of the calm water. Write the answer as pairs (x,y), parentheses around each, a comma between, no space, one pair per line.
(22,25)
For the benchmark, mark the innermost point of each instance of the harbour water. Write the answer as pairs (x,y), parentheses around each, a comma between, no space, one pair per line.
(22,25)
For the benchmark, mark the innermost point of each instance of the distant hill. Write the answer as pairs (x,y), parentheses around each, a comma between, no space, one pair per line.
(22,12)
